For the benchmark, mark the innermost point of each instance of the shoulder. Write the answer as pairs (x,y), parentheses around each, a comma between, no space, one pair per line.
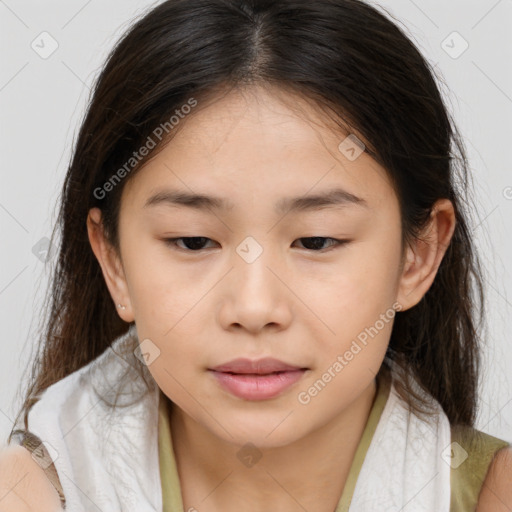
(23,483)
(496,493)
(473,455)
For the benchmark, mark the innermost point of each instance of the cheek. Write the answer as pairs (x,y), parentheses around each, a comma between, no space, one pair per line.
(361,286)
(179,355)
(166,305)
(356,304)
(161,291)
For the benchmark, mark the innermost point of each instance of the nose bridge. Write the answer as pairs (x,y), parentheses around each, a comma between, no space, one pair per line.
(250,249)
(254,296)
(253,257)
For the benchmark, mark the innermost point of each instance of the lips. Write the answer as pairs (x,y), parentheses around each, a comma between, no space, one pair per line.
(257,380)
(259,367)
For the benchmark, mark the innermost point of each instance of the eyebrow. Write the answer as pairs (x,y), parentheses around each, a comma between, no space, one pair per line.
(203,202)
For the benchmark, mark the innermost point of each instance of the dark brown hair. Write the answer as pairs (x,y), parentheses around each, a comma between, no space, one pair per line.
(352,61)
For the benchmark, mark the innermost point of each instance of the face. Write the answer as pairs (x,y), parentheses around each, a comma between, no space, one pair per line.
(264,272)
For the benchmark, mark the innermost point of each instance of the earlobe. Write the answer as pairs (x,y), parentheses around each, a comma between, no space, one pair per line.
(110,264)
(424,257)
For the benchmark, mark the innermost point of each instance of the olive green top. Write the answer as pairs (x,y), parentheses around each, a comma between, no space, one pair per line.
(466,479)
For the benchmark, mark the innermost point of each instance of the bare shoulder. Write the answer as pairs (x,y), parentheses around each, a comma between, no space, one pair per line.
(496,492)
(24,486)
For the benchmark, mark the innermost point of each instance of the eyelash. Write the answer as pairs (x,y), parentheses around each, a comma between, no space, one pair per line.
(337,243)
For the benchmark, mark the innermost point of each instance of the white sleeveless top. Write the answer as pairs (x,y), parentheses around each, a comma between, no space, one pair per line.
(107,457)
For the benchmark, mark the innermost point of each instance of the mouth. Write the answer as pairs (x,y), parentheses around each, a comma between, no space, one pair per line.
(263,366)
(252,386)
(255,374)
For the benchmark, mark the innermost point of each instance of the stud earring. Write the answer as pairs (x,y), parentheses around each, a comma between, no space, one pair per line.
(121,306)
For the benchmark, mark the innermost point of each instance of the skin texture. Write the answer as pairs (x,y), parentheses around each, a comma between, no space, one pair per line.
(23,484)
(297,304)
(496,491)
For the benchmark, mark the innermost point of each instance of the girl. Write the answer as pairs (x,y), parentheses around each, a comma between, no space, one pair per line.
(264,294)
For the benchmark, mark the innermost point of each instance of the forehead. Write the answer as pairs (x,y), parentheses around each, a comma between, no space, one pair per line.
(258,143)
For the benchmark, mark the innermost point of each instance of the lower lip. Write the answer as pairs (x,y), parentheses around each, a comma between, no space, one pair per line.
(258,387)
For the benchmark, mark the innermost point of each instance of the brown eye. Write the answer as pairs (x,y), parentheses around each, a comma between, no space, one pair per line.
(312,243)
(316,243)
(192,243)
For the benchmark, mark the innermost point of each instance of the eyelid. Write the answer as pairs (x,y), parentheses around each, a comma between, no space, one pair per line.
(171,242)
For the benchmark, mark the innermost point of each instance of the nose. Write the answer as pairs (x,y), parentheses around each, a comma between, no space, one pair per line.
(255,294)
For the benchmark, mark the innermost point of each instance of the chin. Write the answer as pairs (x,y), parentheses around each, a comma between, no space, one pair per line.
(273,433)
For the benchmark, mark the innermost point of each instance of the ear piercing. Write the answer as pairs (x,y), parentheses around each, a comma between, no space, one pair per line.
(121,306)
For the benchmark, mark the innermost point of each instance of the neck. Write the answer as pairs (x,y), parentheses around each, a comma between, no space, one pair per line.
(307,474)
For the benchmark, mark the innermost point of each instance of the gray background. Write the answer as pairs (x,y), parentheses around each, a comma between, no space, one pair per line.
(42,101)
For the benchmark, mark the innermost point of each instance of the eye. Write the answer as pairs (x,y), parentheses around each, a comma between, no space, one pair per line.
(196,243)
(192,243)
(315,243)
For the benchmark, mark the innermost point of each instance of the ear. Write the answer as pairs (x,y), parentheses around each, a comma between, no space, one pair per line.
(425,256)
(110,263)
